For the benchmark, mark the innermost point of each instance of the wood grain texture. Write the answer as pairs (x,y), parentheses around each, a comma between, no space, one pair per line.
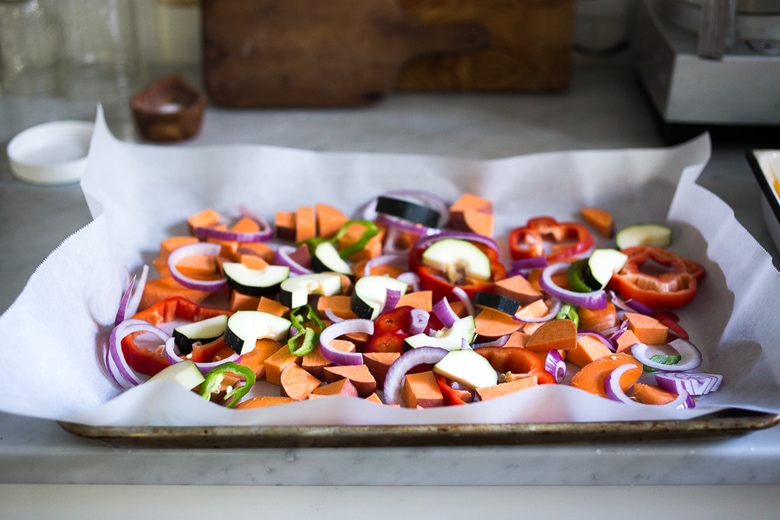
(530,46)
(272,53)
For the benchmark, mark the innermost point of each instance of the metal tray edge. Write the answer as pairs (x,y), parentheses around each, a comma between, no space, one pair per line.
(724,424)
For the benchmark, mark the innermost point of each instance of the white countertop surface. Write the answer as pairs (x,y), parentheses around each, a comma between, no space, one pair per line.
(46,472)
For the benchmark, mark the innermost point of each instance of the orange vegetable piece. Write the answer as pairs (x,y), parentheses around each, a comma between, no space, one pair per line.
(297,383)
(648,329)
(245,224)
(553,335)
(472,213)
(255,359)
(170,244)
(651,394)
(284,221)
(272,306)
(588,349)
(314,363)
(352,234)
(258,263)
(340,387)
(421,390)
(378,363)
(491,323)
(329,220)
(591,377)
(517,339)
(339,304)
(374,399)
(600,219)
(359,375)
(419,299)
(501,389)
(535,309)
(305,224)
(277,362)
(626,340)
(598,319)
(262,401)
(518,288)
(166,287)
(243,302)
(260,249)
(207,217)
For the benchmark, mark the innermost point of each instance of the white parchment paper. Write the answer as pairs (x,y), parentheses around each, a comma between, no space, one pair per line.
(53,338)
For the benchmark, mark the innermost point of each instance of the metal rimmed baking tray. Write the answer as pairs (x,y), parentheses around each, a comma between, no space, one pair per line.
(724,424)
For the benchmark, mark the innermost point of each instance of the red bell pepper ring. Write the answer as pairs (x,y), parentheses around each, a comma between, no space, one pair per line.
(149,362)
(675,287)
(546,237)
(517,360)
(441,287)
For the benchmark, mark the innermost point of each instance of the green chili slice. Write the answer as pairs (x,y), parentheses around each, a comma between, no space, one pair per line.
(309,325)
(568,312)
(216,375)
(370,230)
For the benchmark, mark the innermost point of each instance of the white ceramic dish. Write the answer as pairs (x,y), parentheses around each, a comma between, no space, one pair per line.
(51,153)
(766,167)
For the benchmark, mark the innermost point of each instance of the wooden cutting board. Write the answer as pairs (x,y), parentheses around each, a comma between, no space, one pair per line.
(317,53)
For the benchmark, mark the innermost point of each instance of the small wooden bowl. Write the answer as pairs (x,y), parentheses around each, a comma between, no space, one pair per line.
(168,110)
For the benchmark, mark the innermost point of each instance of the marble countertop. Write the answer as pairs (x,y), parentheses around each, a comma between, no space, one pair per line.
(604,109)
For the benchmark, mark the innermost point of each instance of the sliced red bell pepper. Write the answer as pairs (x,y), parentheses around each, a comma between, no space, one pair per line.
(441,287)
(452,397)
(671,283)
(545,236)
(150,362)
(517,360)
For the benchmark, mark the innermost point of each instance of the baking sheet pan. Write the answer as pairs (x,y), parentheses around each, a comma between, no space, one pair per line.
(727,423)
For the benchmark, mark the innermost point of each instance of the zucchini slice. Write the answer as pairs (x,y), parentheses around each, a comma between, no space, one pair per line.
(407,210)
(185,336)
(645,234)
(255,282)
(295,290)
(244,328)
(369,295)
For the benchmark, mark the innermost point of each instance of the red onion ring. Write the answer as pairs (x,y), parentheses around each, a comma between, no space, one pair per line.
(411,279)
(525,264)
(629,305)
(401,366)
(120,364)
(283,256)
(591,300)
(198,248)
(338,329)
(174,356)
(690,356)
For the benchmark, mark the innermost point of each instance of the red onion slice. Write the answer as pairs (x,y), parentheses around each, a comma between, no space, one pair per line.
(555,365)
(616,393)
(591,300)
(419,321)
(461,295)
(600,337)
(629,305)
(690,356)
(174,356)
(119,363)
(408,360)
(391,300)
(284,255)
(443,310)
(199,248)
(695,383)
(341,328)
(523,265)
(131,298)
